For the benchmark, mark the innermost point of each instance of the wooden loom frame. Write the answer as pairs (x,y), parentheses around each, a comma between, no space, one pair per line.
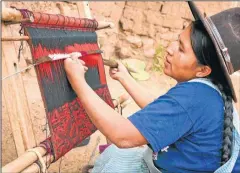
(20,114)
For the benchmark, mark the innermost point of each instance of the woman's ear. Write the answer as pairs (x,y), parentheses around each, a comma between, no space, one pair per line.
(203,71)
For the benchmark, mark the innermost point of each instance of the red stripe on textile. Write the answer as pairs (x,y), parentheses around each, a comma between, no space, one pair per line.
(70,124)
(90,60)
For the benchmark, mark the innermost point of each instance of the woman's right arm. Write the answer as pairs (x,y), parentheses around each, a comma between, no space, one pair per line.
(139,94)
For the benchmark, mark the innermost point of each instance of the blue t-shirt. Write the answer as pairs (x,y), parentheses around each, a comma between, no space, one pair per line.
(188,119)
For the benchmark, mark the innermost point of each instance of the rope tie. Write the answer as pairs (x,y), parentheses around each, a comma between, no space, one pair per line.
(41,163)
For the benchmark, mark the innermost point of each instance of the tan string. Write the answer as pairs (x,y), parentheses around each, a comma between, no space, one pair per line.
(40,158)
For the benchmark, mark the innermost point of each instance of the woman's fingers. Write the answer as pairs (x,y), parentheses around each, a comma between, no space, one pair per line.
(76,59)
(85,68)
(82,62)
(113,69)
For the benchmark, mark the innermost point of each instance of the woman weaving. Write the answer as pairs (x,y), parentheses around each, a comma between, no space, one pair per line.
(194,126)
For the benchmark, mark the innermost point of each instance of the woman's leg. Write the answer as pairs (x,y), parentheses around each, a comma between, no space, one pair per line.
(114,159)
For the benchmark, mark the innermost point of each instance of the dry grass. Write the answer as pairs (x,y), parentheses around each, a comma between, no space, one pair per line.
(158,60)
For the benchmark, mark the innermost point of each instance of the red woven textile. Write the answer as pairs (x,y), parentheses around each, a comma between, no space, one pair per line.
(67,119)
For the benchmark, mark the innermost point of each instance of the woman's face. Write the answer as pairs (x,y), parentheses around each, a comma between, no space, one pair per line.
(181,62)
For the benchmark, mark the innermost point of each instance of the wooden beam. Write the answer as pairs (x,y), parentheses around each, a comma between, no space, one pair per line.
(15,126)
(87,11)
(11,16)
(16,38)
(34,168)
(80,9)
(23,161)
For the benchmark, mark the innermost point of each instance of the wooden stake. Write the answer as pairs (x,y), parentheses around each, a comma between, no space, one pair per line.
(16,99)
(87,10)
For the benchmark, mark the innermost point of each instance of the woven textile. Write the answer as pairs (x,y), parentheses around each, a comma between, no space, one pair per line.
(52,34)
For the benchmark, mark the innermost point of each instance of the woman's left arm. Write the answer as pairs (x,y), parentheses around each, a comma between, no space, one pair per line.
(117,129)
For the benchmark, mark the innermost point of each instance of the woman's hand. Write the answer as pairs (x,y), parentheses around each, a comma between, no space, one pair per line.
(119,73)
(75,70)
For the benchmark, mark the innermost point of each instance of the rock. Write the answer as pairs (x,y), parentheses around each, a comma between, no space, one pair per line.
(147,42)
(161,29)
(124,53)
(135,41)
(120,4)
(174,8)
(140,29)
(132,23)
(169,36)
(131,13)
(149,53)
(154,17)
(166,36)
(127,25)
(151,31)
(116,13)
(164,43)
(186,24)
(108,51)
(105,11)
(148,47)
(173,22)
(154,6)
(123,50)
(137,4)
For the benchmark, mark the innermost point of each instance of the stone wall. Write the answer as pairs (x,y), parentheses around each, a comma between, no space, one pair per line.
(140,26)
(150,24)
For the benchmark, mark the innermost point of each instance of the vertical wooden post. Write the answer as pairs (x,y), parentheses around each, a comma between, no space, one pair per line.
(15,126)
(16,100)
(80,9)
(87,10)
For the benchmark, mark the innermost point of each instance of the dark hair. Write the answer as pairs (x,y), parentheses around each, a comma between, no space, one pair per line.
(206,54)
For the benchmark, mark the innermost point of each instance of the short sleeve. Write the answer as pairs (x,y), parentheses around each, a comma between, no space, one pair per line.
(162,122)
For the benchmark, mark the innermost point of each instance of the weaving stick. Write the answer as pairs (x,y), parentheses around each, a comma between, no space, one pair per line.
(113,64)
(54,57)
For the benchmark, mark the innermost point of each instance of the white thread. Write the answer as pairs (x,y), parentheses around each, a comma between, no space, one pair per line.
(64,56)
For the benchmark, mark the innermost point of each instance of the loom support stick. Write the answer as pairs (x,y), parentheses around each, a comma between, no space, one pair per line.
(12,16)
(34,168)
(16,38)
(25,162)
